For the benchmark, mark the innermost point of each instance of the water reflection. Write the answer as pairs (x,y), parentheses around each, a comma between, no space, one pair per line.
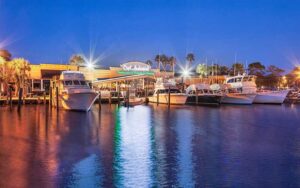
(150,146)
(185,147)
(132,163)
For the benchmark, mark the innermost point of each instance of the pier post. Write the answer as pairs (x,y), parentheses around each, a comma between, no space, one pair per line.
(169,97)
(56,95)
(128,96)
(20,98)
(196,97)
(118,94)
(109,99)
(10,97)
(50,96)
(44,93)
(99,100)
(157,97)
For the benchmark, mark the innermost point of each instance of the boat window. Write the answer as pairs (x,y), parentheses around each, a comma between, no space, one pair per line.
(68,82)
(238,79)
(230,80)
(174,91)
(82,82)
(76,82)
(162,91)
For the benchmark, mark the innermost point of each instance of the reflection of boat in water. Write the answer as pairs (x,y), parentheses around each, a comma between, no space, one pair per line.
(74,92)
(239,89)
(161,93)
(271,97)
(203,94)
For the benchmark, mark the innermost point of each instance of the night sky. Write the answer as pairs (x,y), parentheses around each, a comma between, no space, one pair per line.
(121,30)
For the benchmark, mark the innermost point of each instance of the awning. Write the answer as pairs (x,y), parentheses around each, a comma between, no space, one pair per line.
(122,78)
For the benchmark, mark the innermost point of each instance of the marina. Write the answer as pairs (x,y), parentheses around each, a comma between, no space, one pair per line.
(144,93)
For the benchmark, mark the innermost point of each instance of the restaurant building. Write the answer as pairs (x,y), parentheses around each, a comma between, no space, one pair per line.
(42,74)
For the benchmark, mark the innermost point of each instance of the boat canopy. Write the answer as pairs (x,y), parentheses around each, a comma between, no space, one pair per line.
(72,75)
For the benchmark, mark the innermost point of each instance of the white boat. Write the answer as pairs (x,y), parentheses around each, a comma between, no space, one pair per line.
(239,89)
(74,92)
(238,98)
(133,100)
(271,97)
(161,93)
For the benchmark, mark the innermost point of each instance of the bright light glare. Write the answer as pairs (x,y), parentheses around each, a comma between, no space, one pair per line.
(90,65)
(185,73)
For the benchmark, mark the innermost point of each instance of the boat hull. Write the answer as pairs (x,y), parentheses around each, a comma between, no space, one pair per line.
(164,99)
(238,98)
(272,97)
(78,101)
(134,102)
(204,99)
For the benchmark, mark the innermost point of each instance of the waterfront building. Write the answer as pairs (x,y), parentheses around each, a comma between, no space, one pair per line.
(41,74)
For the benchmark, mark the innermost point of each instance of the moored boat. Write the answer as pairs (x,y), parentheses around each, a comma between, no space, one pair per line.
(239,89)
(271,97)
(164,89)
(74,92)
(203,94)
(133,100)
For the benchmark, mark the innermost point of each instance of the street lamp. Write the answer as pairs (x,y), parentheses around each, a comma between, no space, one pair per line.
(90,65)
(185,72)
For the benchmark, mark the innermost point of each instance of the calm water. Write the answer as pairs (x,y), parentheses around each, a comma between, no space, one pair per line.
(146,146)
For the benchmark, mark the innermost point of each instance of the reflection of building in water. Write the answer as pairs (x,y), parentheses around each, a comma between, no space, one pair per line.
(133,162)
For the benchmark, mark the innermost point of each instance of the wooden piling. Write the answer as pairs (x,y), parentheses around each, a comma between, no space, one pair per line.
(157,97)
(10,97)
(99,100)
(56,95)
(44,93)
(118,93)
(196,97)
(128,97)
(20,98)
(169,97)
(50,96)
(109,99)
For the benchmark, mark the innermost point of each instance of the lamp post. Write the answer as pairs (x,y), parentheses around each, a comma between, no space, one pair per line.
(185,73)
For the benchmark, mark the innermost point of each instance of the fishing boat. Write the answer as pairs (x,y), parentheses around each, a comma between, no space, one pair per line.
(165,92)
(133,100)
(203,94)
(74,92)
(271,97)
(240,89)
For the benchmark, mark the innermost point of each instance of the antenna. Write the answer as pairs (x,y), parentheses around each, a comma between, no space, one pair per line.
(234,64)
(246,67)
(206,67)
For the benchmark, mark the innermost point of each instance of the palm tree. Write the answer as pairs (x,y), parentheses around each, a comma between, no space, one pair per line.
(157,59)
(5,54)
(2,63)
(149,62)
(190,58)
(172,62)
(164,61)
(77,60)
(7,71)
(21,73)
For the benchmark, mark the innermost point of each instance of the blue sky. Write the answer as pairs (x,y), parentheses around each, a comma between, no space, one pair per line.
(121,30)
